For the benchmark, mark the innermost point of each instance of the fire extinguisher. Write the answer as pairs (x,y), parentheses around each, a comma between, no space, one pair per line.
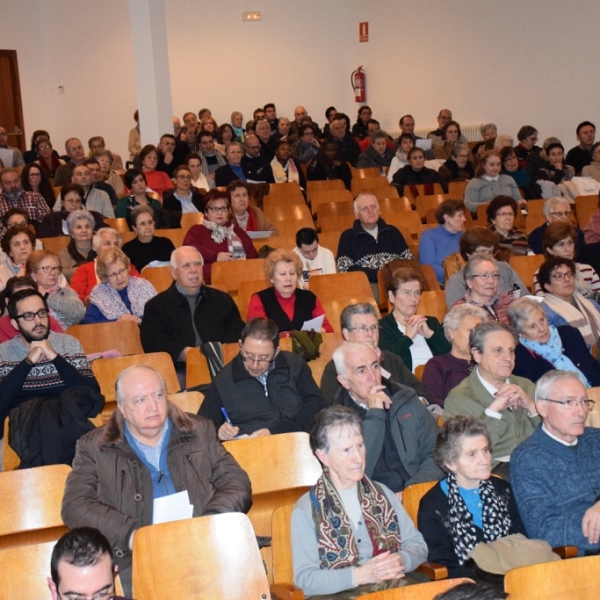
(359,85)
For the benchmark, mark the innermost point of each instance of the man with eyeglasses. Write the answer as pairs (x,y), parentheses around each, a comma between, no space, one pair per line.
(263,390)
(555,473)
(257,166)
(556,209)
(82,567)
(399,432)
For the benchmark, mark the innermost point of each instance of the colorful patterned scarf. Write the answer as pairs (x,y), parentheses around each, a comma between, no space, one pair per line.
(109,302)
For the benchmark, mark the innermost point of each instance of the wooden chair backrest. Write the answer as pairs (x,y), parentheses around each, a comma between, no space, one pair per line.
(106,371)
(336,222)
(419,372)
(321,186)
(292,226)
(420,591)
(586,206)
(456,189)
(408,219)
(281,544)
(394,204)
(31,502)
(385,192)
(526,266)
(287,241)
(56,244)
(328,196)
(159,277)
(214,556)
(230,273)
(189,402)
(245,292)
(291,212)
(175,235)
(123,336)
(368,184)
(118,224)
(328,209)
(330,240)
(282,201)
(573,578)
(127,236)
(189,219)
(535,207)
(411,497)
(288,188)
(424,203)
(338,285)
(196,368)
(366,172)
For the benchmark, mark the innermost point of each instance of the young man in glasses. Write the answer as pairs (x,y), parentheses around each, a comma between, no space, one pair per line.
(555,473)
(263,390)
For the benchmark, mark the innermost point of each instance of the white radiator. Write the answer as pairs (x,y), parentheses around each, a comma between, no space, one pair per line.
(471,132)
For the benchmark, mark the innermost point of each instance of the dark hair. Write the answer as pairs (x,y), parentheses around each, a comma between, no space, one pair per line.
(330,109)
(192,155)
(268,105)
(18,281)
(449,438)
(72,187)
(45,188)
(340,116)
(449,124)
(556,232)
(321,157)
(404,117)
(180,168)
(12,232)
(15,210)
(168,135)
(553,145)
(584,124)
(306,126)
(547,268)
(90,161)
(473,238)
(307,236)
(81,547)
(473,591)
(406,136)
(261,329)
(131,174)
(450,208)
(206,133)
(360,109)
(280,143)
(235,184)
(148,149)
(506,152)
(326,419)
(497,203)
(413,150)
(220,131)
(22,295)
(525,132)
(38,133)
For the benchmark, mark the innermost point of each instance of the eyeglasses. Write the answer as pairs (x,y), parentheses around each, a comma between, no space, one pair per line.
(218,208)
(486,276)
(106,594)
(249,359)
(117,273)
(564,214)
(184,177)
(30,316)
(364,329)
(505,214)
(561,275)
(44,147)
(48,270)
(571,404)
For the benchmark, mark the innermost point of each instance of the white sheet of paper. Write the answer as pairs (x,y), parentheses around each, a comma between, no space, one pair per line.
(423,144)
(172,508)
(315,324)
(259,234)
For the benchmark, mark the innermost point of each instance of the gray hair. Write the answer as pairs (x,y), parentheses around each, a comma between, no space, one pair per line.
(487,126)
(552,203)
(451,435)
(474,261)
(519,311)
(480,333)
(140,209)
(119,393)
(326,420)
(79,215)
(550,140)
(458,148)
(342,351)
(361,308)
(378,135)
(454,318)
(363,195)
(544,385)
(503,141)
(97,239)
(173,259)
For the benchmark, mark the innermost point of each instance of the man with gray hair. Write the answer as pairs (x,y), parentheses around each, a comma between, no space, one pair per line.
(555,473)
(359,323)
(149,452)
(371,243)
(399,433)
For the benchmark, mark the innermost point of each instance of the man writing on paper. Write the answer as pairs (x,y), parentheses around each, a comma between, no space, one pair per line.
(149,449)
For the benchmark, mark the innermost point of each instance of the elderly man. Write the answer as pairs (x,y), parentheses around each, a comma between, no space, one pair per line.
(97,144)
(581,155)
(359,324)
(492,393)
(263,390)
(555,473)
(10,157)
(371,243)
(14,196)
(555,209)
(188,314)
(263,133)
(444,116)
(256,166)
(149,450)
(76,153)
(399,432)
(83,566)
(338,130)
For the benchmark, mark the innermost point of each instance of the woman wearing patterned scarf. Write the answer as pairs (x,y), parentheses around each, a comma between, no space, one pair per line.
(350,535)
(468,506)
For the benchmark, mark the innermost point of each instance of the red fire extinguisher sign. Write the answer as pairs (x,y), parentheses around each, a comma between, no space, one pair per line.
(363,31)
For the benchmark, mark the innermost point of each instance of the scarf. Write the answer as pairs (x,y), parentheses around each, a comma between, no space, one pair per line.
(496,520)
(337,543)
(248,222)
(219,232)
(110,304)
(77,257)
(287,173)
(581,314)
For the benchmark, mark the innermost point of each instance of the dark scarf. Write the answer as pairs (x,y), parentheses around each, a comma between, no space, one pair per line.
(79,258)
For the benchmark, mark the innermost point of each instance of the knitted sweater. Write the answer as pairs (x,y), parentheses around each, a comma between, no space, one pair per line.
(435,245)
(481,191)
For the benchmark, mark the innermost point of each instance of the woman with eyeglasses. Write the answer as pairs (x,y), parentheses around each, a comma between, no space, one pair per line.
(501,213)
(543,347)
(563,304)
(33,179)
(219,238)
(482,277)
(118,296)
(415,338)
(47,158)
(45,269)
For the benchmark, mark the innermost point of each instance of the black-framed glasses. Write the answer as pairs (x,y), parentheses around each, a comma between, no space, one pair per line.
(561,275)
(364,329)
(218,208)
(30,316)
(586,403)
(48,270)
(249,359)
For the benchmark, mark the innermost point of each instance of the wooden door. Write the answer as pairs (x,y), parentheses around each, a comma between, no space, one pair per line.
(11,110)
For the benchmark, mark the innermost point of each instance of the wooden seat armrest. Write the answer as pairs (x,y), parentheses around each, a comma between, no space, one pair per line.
(565,551)
(434,571)
(286,591)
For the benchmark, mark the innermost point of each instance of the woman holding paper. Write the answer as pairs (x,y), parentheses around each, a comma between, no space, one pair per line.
(284,303)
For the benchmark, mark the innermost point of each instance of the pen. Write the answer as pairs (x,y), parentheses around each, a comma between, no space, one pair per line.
(226,415)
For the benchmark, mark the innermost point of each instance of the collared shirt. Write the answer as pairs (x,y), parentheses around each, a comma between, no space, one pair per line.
(31,202)
(150,453)
(263,378)
(187,206)
(569,445)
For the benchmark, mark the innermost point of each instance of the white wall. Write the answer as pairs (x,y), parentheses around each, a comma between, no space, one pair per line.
(506,61)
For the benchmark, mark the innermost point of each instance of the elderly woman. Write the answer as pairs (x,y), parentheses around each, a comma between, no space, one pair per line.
(510,166)
(559,240)
(458,167)
(489,132)
(482,277)
(47,158)
(80,224)
(284,302)
(593,169)
(348,532)
(451,135)
(446,371)
(45,269)
(106,159)
(118,297)
(438,243)
(468,506)
(17,244)
(183,199)
(137,184)
(492,393)
(248,218)
(85,277)
(564,305)
(378,154)
(158,181)
(283,130)
(415,338)
(415,172)
(400,160)
(219,238)
(237,120)
(489,183)
(528,137)
(501,213)
(544,347)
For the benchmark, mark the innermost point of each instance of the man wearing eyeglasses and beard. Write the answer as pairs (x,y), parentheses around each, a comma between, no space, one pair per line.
(263,390)
(38,362)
